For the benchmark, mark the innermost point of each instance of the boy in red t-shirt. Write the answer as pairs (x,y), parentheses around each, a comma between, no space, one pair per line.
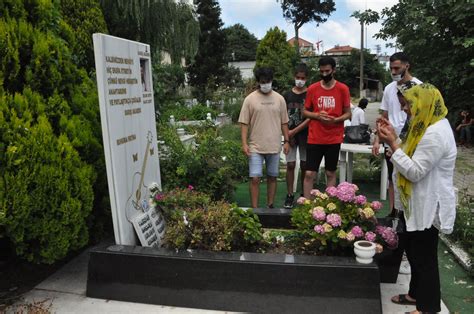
(327,104)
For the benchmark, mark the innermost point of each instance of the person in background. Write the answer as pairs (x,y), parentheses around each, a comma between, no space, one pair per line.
(263,119)
(424,161)
(464,128)
(298,133)
(358,114)
(327,104)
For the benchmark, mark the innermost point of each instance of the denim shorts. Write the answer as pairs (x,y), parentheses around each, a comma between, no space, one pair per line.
(272,163)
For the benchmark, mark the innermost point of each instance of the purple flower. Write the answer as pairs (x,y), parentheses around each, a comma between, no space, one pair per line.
(319,229)
(300,201)
(360,199)
(379,229)
(357,232)
(334,220)
(319,214)
(345,192)
(376,205)
(370,236)
(331,191)
(159,196)
(390,237)
(190,187)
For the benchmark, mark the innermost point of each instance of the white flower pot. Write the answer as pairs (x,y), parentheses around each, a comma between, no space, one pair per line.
(364,251)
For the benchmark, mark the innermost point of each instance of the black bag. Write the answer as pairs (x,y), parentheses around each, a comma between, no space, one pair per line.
(396,222)
(357,134)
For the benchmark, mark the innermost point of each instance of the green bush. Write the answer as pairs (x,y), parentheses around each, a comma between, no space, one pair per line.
(46,193)
(184,113)
(213,167)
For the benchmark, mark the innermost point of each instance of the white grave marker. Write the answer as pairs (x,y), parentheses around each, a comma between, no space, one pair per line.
(127,114)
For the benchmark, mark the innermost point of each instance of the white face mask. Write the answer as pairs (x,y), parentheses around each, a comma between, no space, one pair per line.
(300,83)
(266,88)
(397,77)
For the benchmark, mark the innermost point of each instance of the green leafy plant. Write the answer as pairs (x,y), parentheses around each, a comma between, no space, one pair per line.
(195,222)
(463,231)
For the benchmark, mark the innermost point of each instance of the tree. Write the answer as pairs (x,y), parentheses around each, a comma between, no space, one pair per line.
(438,37)
(241,44)
(209,61)
(367,17)
(274,51)
(300,12)
(166,25)
(349,69)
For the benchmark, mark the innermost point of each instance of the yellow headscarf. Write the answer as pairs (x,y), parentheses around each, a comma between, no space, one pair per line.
(427,107)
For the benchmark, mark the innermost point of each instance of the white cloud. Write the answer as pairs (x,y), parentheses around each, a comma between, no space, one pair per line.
(375,5)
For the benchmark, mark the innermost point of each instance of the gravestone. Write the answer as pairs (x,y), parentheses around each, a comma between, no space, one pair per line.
(127,112)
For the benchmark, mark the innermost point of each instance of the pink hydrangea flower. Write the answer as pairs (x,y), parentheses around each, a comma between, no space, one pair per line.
(331,191)
(376,205)
(370,236)
(350,236)
(345,192)
(390,237)
(357,231)
(301,200)
(319,214)
(315,192)
(360,199)
(334,220)
(319,229)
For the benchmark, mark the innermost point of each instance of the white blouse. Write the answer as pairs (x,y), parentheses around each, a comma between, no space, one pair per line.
(430,170)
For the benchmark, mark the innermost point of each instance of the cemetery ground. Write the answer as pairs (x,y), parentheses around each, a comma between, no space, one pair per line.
(61,287)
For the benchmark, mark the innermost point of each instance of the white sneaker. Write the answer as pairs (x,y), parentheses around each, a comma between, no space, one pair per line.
(405,268)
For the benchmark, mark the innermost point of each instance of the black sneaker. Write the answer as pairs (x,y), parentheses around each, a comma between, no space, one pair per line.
(289,201)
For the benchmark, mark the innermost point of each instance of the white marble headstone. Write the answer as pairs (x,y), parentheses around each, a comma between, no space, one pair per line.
(127,114)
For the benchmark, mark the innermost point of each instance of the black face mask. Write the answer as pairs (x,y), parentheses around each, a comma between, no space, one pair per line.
(326,78)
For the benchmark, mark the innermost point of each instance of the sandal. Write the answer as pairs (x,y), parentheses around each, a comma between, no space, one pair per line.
(402,300)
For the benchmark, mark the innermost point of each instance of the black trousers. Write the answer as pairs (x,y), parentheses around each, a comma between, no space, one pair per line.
(421,248)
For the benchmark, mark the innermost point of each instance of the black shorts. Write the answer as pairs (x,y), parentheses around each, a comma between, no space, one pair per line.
(316,152)
(389,164)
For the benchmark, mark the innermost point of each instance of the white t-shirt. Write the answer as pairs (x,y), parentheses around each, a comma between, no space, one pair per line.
(390,103)
(358,116)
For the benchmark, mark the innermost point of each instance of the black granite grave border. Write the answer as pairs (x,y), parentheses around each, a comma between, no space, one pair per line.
(234,281)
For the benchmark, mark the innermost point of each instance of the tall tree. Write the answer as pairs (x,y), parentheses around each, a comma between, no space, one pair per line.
(241,44)
(438,36)
(300,12)
(209,61)
(274,51)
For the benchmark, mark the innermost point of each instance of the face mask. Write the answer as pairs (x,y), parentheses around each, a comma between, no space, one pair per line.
(398,77)
(326,78)
(300,83)
(266,88)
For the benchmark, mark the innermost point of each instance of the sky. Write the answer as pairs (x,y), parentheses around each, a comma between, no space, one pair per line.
(258,16)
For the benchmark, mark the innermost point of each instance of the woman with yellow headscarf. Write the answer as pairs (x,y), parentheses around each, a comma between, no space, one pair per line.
(424,160)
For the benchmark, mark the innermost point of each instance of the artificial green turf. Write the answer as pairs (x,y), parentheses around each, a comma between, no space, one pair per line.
(242,195)
(457,287)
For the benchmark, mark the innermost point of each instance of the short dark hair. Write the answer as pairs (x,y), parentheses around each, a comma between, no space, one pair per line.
(363,103)
(327,61)
(264,73)
(400,56)
(301,68)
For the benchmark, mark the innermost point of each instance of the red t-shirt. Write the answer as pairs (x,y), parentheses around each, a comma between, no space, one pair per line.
(332,101)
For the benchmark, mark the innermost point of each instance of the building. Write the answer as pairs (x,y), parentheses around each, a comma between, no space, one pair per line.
(306,48)
(339,51)
(245,67)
